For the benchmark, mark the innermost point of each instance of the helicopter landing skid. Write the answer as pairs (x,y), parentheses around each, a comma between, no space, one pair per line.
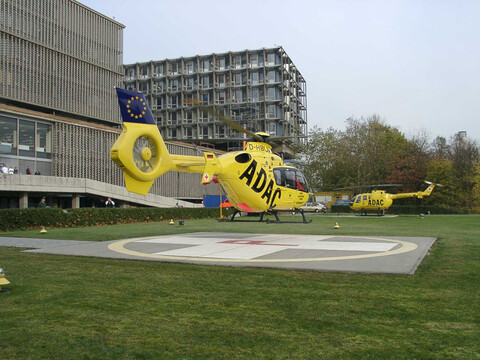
(267,221)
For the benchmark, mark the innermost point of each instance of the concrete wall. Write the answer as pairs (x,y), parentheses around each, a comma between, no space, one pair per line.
(25,184)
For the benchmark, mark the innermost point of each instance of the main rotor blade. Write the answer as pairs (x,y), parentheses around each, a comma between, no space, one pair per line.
(432,183)
(368,186)
(231,123)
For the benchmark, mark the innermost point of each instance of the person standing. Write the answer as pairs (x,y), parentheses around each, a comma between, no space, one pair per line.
(109,203)
(42,203)
(28,171)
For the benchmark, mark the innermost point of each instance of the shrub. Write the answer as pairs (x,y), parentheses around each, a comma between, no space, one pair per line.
(21,219)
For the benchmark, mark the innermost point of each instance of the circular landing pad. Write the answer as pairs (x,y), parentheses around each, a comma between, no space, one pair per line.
(369,254)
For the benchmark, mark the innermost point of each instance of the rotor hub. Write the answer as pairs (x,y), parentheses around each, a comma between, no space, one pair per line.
(146,154)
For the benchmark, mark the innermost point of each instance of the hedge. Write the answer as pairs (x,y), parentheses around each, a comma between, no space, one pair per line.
(22,219)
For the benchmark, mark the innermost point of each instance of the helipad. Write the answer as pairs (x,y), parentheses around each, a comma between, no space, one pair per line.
(372,254)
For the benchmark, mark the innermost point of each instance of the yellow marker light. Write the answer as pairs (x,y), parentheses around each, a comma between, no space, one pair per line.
(3,280)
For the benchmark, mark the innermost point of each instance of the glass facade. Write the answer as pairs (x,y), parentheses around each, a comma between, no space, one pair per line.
(61,47)
(26,142)
(261,89)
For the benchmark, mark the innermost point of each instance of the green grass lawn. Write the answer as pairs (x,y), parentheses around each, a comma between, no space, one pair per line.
(63,307)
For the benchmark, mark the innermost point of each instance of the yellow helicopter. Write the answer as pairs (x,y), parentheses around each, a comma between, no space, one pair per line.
(380,201)
(255,180)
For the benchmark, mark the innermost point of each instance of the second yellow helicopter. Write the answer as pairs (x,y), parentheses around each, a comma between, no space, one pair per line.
(380,200)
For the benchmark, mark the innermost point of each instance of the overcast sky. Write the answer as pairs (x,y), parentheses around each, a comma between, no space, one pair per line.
(414,63)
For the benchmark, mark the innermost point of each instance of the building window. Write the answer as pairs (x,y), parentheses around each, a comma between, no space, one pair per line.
(172,118)
(204,116)
(26,138)
(220,97)
(188,117)
(159,87)
(205,99)
(159,69)
(237,61)
(8,136)
(273,59)
(220,80)
(274,94)
(189,67)
(256,94)
(44,141)
(220,131)
(206,65)
(254,78)
(144,87)
(159,103)
(189,133)
(173,68)
(130,73)
(273,112)
(273,76)
(173,101)
(254,60)
(204,82)
(172,133)
(144,72)
(221,64)
(189,83)
(205,132)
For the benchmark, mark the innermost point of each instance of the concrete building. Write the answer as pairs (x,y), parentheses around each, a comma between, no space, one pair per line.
(59,63)
(260,89)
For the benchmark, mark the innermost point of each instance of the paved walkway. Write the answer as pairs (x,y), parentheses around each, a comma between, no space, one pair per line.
(368,254)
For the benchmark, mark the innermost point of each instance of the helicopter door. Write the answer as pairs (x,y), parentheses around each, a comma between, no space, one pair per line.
(291,178)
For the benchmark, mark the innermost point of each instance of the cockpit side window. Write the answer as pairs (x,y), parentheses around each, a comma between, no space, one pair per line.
(301,183)
(277,173)
(290,179)
(364,197)
(359,197)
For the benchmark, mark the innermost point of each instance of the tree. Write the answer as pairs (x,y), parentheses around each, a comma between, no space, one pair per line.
(476,189)
(440,148)
(465,156)
(360,155)
(322,158)
(440,171)
(409,167)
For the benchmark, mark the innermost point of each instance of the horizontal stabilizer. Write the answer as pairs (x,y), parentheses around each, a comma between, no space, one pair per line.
(137,186)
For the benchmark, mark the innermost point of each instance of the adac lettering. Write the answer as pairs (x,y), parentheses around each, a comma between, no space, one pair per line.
(260,183)
(375,202)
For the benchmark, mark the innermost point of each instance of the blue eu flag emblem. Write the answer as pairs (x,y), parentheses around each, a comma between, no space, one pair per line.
(134,107)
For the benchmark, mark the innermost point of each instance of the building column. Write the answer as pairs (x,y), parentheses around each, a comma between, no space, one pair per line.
(75,201)
(23,201)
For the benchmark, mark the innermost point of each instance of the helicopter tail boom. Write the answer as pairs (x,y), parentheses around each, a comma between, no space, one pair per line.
(418,194)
